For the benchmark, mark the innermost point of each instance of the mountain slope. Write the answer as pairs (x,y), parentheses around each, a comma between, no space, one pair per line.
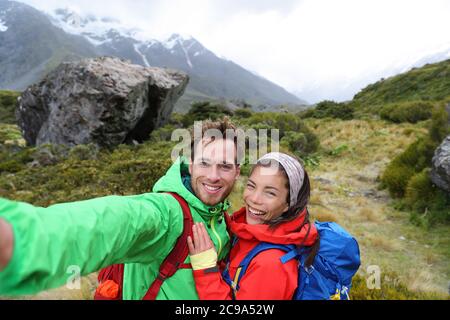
(33,43)
(31,46)
(431,82)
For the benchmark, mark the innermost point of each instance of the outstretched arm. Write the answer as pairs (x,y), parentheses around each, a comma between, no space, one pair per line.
(6,243)
(49,243)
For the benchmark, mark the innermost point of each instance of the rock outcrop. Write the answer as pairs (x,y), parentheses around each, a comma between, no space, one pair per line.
(106,101)
(440,171)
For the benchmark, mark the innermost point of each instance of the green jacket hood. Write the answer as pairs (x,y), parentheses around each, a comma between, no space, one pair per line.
(172,182)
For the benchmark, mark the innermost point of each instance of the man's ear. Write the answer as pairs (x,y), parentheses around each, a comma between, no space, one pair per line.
(190,168)
(238,171)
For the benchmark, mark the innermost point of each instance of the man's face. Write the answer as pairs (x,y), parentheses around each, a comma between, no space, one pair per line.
(214,170)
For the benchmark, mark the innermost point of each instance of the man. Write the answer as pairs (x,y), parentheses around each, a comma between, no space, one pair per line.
(38,245)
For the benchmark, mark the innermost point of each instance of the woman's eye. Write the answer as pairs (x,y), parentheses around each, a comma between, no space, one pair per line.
(271,194)
(249,186)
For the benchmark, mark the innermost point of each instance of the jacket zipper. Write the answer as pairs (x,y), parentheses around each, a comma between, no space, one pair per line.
(213,229)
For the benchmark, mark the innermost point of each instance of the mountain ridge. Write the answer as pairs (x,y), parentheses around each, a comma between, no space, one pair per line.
(211,76)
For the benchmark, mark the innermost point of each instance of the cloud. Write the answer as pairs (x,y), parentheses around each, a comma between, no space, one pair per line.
(318,48)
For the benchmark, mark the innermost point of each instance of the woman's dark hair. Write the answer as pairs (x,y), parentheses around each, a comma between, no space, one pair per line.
(299,207)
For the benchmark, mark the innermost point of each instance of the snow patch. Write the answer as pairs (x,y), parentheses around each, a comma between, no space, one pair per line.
(188,60)
(94,29)
(144,58)
(3,26)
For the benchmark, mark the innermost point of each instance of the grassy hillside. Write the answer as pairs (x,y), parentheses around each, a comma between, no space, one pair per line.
(429,83)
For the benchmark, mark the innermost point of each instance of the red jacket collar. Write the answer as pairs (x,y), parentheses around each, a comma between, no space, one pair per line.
(285,233)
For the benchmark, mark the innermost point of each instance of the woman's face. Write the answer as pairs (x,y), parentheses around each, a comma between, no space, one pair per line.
(265,195)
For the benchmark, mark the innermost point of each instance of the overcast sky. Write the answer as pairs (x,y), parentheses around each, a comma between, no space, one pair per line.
(319,49)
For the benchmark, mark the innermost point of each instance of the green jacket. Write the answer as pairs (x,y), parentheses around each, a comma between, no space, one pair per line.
(138,230)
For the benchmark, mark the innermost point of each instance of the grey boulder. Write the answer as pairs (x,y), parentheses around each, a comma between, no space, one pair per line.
(440,171)
(106,101)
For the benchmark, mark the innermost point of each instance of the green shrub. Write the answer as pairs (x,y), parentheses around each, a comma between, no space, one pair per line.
(410,111)
(430,204)
(439,127)
(396,177)
(330,109)
(205,110)
(293,132)
(299,143)
(243,113)
(8,102)
(9,132)
(407,176)
(163,133)
(413,160)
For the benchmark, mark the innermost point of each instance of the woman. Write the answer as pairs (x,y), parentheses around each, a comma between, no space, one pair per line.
(275,211)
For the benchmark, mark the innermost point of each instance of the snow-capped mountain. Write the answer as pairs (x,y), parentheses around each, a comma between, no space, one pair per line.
(30,45)
(34,42)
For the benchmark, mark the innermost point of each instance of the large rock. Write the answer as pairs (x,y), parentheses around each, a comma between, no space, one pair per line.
(106,101)
(440,172)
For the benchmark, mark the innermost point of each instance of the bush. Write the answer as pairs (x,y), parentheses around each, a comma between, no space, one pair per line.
(407,176)
(293,132)
(330,109)
(411,111)
(14,158)
(439,127)
(243,113)
(413,160)
(163,133)
(8,102)
(395,178)
(205,110)
(430,205)
(299,143)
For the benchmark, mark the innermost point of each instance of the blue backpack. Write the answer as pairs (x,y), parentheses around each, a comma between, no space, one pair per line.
(330,275)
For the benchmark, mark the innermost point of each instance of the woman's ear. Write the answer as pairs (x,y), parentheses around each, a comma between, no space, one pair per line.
(286,208)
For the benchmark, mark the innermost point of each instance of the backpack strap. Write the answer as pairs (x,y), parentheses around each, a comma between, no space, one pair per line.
(110,283)
(244,264)
(175,259)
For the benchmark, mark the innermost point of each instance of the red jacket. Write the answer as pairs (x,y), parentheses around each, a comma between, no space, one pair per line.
(266,277)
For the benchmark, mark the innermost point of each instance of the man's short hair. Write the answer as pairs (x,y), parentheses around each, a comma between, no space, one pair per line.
(223,126)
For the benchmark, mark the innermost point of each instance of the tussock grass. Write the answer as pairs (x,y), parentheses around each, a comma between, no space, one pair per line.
(370,215)
(386,236)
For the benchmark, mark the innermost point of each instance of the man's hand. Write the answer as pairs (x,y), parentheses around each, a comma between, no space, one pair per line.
(6,243)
